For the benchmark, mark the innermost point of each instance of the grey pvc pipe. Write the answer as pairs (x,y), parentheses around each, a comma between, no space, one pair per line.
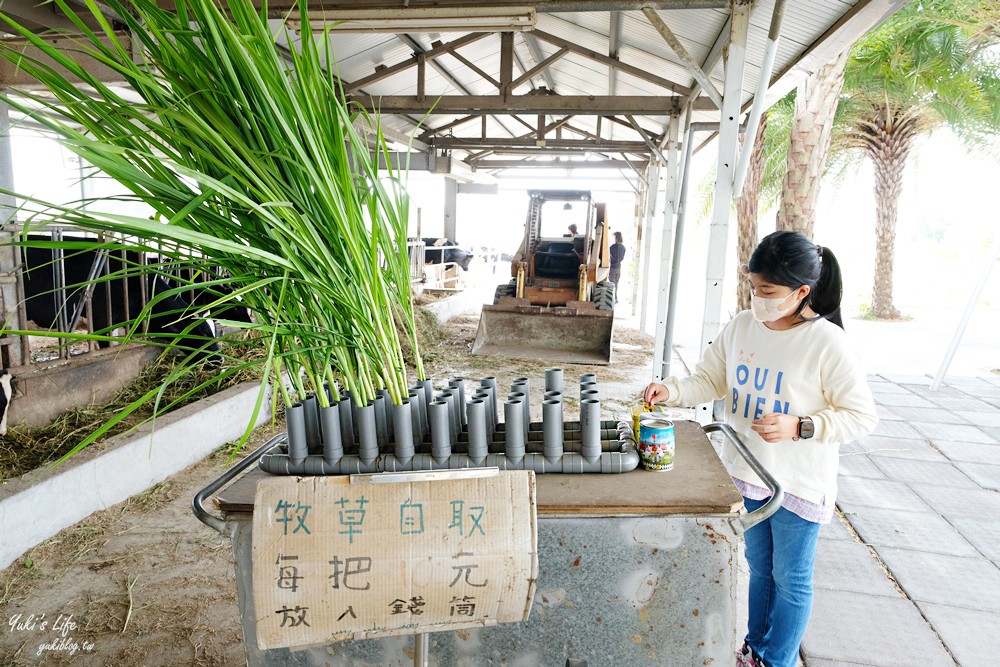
(522,386)
(524,422)
(552,422)
(417,417)
(346,421)
(440,430)
(483,395)
(608,424)
(478,429)
(553,379)
(459,385)
(387,402)
(491,382)
(428,387)
(589,393)
(553,396)
(367,433)
(276,462)
(314,441)
(333,445)
(514,435)
(567,437)
(590,421)
(381,421)
(491,407)
(450,396)
(588,377)
(295,422)
(402,417)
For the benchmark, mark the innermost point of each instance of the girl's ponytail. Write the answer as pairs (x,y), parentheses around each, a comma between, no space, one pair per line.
(825,298)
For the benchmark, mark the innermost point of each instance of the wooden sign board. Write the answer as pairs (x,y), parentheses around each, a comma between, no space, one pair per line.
(339,558)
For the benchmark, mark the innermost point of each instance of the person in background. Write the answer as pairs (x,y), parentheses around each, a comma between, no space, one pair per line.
(795,391)
(617,255)
(572,231)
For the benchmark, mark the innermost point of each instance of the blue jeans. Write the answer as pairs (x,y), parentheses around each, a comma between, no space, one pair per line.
(780,552)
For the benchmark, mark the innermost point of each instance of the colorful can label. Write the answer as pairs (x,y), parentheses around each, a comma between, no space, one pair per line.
(656,443)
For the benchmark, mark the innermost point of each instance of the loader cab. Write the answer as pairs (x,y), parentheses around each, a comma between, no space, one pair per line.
(558,305)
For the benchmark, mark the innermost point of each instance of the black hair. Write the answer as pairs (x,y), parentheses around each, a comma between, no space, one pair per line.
(791,259)
(618,237)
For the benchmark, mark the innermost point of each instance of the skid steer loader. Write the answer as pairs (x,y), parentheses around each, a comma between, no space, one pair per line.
(559,304)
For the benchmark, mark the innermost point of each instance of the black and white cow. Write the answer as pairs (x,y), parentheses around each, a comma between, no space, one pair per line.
(170,315)
(5,396)
(448,254)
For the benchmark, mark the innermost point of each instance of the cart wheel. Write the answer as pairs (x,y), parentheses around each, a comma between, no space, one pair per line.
(509,289)
(574,662)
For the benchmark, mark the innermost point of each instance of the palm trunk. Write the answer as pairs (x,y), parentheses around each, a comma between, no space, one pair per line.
(746,212)
(887,143)
(815,104)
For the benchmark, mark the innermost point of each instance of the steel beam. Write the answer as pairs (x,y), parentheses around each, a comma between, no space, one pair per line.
(726,167)
(539,68)
(280,8)
(536,52)
(532,104)
(653,148)
(429,56)
(558,164)
(476,143)
(689,63)
(861,18)
(642,74)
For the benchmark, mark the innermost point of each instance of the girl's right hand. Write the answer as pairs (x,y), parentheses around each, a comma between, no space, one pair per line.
(655,393)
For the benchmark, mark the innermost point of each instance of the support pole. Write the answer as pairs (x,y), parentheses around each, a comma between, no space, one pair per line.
(759,98)
(671,178)
(652,192)
(956,340)
(729,128)
(668,342)
(451,209)
(13,352)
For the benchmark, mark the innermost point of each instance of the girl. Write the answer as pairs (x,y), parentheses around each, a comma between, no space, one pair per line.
(795,390)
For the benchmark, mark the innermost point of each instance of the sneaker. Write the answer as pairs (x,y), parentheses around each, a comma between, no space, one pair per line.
(747,657)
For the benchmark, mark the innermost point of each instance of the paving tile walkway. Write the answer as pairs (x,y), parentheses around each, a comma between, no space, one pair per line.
(910,574)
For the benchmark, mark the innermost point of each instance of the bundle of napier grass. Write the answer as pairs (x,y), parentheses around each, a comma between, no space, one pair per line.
(252,162)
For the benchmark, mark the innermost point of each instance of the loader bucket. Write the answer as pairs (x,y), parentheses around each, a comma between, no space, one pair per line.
(574,335)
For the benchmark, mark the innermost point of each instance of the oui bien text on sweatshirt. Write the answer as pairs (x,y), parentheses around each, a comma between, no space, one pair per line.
(809,370)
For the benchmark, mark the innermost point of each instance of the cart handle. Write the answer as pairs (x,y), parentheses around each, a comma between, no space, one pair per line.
(777,494)
(198,503)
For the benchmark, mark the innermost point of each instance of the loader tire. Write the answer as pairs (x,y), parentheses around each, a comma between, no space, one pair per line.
(510,289)
(604,295)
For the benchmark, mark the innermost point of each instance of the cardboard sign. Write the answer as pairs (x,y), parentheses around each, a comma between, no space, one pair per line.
(339,558)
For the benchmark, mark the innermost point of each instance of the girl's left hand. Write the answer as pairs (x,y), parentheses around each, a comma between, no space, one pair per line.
(777,427)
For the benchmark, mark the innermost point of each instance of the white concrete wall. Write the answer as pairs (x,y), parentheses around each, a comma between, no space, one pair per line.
(38,505)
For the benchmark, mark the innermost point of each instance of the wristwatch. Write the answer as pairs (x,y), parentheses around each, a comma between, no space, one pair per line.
(806,428)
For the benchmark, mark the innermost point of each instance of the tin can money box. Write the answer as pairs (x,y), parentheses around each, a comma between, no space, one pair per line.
(656,443)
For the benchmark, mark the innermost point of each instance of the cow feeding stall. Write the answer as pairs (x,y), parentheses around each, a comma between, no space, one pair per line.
(631,567)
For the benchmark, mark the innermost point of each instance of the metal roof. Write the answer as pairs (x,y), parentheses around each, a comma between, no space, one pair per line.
(592,64)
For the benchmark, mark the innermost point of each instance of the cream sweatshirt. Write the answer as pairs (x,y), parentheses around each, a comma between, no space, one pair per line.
(809,370)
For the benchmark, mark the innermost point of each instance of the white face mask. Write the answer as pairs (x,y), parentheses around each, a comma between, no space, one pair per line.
(769,310)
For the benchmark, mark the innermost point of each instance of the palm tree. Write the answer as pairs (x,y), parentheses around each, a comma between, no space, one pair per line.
(929,65)
(815,102)
(746,209)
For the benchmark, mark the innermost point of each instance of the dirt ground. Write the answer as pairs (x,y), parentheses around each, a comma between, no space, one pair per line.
(145,584)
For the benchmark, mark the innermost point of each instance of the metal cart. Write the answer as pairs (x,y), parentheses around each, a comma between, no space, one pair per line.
(634,569)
